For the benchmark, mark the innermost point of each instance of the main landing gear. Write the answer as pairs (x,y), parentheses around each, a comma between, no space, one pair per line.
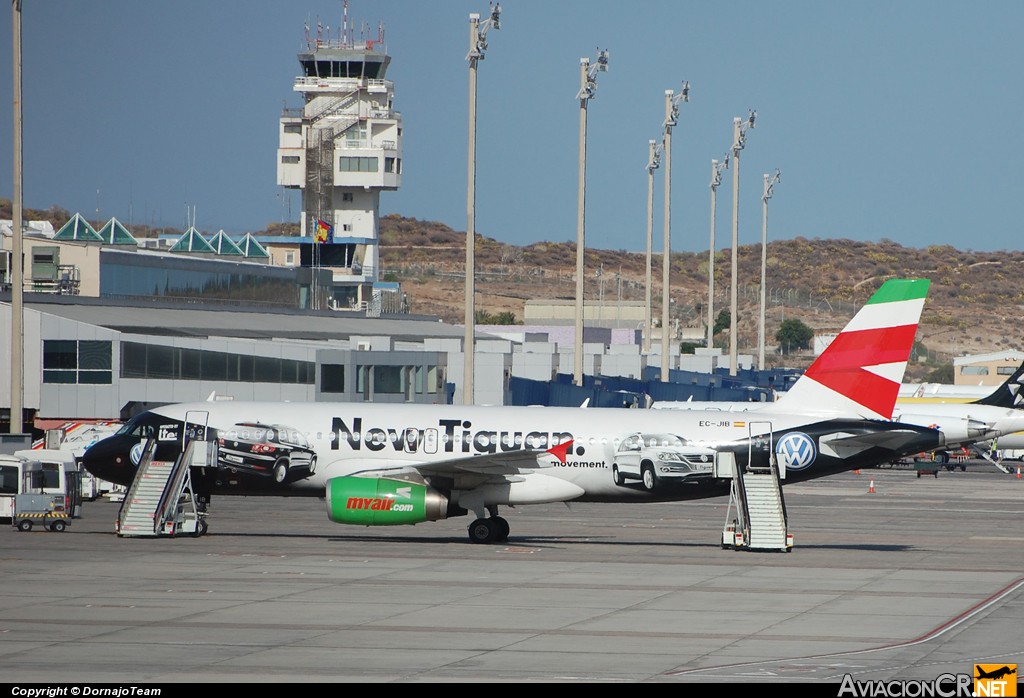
(493,529)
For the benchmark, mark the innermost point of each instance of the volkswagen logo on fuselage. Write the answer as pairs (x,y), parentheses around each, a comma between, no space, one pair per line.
(136,453)
(796,451)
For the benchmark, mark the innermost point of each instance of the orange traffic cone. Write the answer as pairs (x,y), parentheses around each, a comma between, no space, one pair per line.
(856,472)
(1018,472)
(871,486)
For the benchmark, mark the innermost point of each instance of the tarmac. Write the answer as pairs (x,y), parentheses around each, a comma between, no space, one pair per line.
(891,577)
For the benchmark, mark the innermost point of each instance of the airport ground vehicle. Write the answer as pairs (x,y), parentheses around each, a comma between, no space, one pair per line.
(43,472)
(39,502)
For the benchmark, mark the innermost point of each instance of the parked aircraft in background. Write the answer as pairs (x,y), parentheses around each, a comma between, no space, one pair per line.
(997,419)
(383,464)
(941,392)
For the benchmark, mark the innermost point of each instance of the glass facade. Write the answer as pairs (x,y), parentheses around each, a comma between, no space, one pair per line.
(140,360)
(127,274)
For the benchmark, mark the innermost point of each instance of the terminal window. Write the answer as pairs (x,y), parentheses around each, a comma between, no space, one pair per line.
(83,362)
(140,360)
(332,378)
(357,164)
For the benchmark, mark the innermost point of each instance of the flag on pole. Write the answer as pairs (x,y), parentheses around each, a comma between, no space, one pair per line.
(324,231)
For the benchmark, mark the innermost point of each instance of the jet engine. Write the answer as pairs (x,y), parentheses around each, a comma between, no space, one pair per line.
(366,501)
(955,431)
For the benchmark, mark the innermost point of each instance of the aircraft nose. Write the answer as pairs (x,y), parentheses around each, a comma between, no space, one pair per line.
(110,460)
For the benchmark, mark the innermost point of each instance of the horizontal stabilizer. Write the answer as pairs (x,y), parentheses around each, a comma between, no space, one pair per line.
(846,445)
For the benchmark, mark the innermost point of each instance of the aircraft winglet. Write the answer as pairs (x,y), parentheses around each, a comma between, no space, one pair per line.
(559,451)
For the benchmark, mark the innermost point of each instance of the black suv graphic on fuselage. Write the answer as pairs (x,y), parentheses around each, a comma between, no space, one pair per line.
(274,451)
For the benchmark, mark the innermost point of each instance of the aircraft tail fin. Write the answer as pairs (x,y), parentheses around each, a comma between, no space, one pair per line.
(1008,394)
(860,372)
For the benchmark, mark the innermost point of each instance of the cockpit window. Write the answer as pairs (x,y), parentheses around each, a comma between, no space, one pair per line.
(144,426)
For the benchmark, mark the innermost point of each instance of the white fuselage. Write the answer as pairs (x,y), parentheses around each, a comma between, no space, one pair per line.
(373,438)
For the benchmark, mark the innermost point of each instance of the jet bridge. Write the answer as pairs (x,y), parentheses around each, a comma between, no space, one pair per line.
(756,517)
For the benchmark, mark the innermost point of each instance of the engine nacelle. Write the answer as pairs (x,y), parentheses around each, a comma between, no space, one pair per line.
(954,430)
(369,501)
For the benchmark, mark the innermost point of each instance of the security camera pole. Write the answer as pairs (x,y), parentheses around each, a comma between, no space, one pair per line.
(653,162)
(739,139)
(671,119)
(477,46)
(769,186)
(588,88)
(716,179)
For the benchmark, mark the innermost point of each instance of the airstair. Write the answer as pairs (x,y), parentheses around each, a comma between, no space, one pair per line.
(161,501)
(756,517)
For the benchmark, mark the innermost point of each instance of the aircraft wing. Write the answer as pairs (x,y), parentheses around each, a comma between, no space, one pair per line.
(470,471)
(486,464)
(844,444)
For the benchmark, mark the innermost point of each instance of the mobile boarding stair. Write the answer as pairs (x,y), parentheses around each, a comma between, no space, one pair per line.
(756,517)
(160,501)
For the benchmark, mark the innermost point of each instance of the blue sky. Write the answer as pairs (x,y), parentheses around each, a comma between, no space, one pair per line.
(887,119)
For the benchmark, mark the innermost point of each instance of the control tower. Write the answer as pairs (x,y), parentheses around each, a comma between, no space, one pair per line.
(342,149)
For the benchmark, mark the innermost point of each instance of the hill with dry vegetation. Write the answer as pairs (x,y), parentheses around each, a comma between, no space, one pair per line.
(974,301)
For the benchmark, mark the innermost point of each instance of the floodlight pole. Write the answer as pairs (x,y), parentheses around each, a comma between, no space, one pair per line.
(477,47)
(716,179)
(17,272)
(653,162)
(588,88)
(769,186)
(671,119)
(739,130)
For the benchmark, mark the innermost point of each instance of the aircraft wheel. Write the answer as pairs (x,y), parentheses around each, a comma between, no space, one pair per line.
(58,526)
(483,531)
(650,479)
(312,465)
(281,471)
(25,525)
(620,479)
(503,528)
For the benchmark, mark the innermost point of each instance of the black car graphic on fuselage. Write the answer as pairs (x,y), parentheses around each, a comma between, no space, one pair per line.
(268,450)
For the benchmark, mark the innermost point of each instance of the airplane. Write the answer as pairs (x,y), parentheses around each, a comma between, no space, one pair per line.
(996,673)
(388,464)
(998,417)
